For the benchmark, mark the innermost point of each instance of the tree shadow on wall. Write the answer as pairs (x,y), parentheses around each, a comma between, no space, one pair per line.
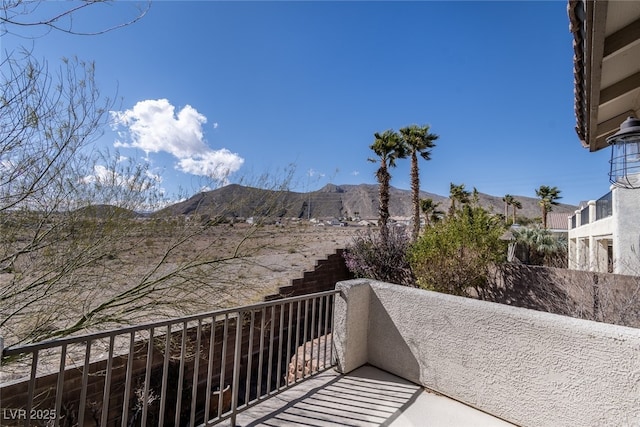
(531,287)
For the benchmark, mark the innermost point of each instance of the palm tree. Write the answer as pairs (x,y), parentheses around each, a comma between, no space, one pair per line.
(457,193)
(475,197)
(508,201)
(516,204)
(540,245)
(430,210)
(548,196)
(388,147)
(417,140)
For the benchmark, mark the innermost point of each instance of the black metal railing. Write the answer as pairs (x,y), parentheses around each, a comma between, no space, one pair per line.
(196,370)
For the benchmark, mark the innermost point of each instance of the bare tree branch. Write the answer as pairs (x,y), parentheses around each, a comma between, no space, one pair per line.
(61,15)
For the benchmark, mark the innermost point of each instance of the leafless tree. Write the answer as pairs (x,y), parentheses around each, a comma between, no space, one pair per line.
(17,15)
(101,265)
(68,224)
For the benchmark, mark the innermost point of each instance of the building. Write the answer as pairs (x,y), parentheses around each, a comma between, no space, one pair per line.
(603,236)
(557,223)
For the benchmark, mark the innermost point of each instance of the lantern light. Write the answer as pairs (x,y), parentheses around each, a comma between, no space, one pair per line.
(625,155)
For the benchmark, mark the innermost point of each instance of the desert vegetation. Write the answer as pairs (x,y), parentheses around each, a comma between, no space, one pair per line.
(465,254)
(371,256)
(465,251)
(455,256)
(455,251)
(548,199)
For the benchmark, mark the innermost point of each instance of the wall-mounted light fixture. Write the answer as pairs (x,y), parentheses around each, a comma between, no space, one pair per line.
(625,155)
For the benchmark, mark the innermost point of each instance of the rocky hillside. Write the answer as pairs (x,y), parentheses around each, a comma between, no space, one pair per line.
(332,201)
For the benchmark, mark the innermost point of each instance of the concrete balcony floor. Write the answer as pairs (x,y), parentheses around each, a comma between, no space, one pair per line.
(365,397)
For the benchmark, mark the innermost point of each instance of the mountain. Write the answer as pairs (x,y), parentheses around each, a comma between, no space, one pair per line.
(331,201)
(106,211)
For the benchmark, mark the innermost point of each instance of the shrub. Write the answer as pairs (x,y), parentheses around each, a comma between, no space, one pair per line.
(540,246)
(455,255)
(371,257)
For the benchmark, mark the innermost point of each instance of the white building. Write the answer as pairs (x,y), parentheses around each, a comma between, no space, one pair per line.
(604,236)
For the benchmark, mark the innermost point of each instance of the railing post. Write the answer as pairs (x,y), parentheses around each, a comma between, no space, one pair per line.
(236,368)
(592,211)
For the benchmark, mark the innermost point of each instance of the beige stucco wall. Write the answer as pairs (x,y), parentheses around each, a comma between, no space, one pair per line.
(527,367)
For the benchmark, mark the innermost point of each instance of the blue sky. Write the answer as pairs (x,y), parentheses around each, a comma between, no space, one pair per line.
(253,87)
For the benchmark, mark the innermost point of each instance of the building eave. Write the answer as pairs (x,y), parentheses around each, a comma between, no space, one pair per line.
(606,42)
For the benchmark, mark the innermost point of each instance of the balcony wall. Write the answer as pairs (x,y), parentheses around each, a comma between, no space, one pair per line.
(527,367)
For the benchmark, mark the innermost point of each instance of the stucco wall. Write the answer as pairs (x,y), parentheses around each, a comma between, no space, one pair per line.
(604,297)
(528,367)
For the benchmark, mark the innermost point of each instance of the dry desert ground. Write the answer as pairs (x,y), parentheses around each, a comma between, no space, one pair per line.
(269,256)
(276,255)
(250,263)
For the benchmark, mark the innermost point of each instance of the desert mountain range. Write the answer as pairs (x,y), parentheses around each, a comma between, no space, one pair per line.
(331,201)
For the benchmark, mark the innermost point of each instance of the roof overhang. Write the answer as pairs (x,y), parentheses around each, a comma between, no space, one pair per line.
(606,66)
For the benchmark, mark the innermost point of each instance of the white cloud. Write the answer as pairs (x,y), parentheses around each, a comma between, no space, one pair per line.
(355,173)
(153,177)
(100,174)
(216,164)
(153,126)
(109,177)
(312,173)
(149,192)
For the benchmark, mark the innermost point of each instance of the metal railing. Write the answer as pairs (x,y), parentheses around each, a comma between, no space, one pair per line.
(196,370)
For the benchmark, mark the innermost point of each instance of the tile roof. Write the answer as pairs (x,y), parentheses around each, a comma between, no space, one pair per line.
(575,10)
(558,221)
